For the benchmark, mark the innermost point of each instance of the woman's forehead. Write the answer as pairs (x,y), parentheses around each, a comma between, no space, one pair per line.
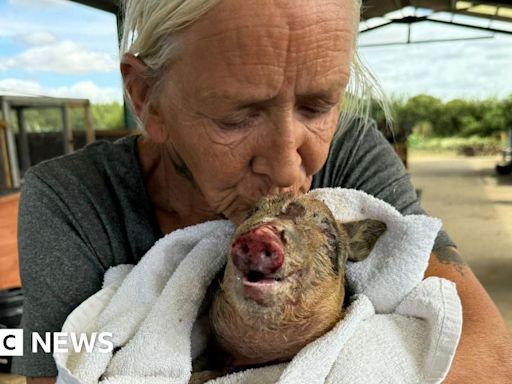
(292,14)
(267,44)
(284,24)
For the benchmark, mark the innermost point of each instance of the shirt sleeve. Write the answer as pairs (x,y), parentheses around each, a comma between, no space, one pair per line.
(361,158)
(58,266)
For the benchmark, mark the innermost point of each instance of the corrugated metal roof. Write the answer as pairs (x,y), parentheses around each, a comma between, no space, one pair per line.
(498,10)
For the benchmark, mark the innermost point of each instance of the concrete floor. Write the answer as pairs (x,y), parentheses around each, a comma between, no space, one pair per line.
(11,379)
(476,208)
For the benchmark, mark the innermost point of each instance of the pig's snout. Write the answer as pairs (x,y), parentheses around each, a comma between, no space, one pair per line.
(259,250)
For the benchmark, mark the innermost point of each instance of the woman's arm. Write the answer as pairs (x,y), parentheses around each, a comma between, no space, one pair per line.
(484,354)
(58,268)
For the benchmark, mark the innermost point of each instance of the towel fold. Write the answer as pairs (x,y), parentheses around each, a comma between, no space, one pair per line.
(398,260)
(148,310)
(364,347)
(398,329)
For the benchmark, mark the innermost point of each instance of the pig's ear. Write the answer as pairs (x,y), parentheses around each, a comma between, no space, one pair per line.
(363,235)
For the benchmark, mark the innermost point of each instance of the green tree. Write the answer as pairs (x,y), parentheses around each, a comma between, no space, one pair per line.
(107,116)
(423,108)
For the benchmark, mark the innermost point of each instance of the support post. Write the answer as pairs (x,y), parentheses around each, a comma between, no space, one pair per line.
(5,157)
(11,147)
(24,147)
(90,135)
(67,133)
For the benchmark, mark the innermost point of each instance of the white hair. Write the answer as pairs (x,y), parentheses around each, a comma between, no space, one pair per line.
(362,90)
(150,31)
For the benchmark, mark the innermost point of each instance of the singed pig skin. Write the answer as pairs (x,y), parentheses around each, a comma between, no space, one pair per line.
(283,285)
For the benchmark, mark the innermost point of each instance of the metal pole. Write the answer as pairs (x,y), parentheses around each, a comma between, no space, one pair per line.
(24,147)
(11,146)
(67,133)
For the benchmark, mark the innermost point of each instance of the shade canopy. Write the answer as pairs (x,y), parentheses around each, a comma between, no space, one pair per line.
(498,10)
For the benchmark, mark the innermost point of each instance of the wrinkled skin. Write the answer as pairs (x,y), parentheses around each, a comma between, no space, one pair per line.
(248,107)
(283,284)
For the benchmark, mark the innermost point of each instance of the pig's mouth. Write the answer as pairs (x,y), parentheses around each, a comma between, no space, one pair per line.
(259,277)
(258,256)
(261,288)
(257,287)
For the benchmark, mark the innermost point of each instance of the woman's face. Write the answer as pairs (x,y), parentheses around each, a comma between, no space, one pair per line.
(251,104)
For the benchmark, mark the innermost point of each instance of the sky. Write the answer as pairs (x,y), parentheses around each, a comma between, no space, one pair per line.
(60,48)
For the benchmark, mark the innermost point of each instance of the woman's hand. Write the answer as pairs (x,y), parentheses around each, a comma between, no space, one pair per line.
(484,354)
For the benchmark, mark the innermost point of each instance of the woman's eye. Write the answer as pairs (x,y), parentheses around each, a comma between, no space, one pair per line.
(313,112)
(238,124)
(235,125)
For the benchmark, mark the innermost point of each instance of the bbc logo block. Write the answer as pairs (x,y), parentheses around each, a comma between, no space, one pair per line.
(11,342)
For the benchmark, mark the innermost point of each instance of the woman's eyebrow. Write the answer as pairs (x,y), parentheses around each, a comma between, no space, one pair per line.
(325,96)
(240,102)
(251,96)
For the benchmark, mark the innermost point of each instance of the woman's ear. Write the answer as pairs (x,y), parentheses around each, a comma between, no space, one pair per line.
(138,86)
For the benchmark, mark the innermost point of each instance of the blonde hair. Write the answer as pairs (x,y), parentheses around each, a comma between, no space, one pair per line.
(150,31)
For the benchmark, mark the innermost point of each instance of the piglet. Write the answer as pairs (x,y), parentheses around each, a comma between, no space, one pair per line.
(284,282)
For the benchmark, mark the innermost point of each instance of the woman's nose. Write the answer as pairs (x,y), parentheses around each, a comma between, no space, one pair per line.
(279,154)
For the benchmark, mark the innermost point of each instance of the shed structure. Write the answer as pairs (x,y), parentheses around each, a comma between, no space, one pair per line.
(14,163)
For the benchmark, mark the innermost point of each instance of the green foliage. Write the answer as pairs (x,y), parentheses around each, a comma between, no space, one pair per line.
(107,116)
(490,144)
(423,115)
(41,120)
(104,117)
(426,116)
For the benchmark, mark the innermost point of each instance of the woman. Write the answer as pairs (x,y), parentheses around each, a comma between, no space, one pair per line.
(237,100)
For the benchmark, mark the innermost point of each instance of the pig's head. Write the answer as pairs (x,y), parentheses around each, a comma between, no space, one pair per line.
(283,285)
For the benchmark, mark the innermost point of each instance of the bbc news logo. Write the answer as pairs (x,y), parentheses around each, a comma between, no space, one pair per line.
(11,342)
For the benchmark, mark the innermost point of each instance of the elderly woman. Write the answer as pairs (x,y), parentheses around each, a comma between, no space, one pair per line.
(237,100)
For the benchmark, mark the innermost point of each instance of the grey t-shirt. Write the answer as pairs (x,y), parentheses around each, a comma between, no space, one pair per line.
(82,213)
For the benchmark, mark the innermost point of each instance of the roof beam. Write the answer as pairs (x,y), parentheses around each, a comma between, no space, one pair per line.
(111,6)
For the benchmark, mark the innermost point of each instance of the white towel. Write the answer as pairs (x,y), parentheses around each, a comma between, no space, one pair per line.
(399,348)
(151,308)
(400,257)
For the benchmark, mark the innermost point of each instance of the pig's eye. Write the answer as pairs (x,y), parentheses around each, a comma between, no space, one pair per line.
(328,228)
(293,211)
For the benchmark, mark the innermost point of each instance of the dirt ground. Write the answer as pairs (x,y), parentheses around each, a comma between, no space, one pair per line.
(476,208)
